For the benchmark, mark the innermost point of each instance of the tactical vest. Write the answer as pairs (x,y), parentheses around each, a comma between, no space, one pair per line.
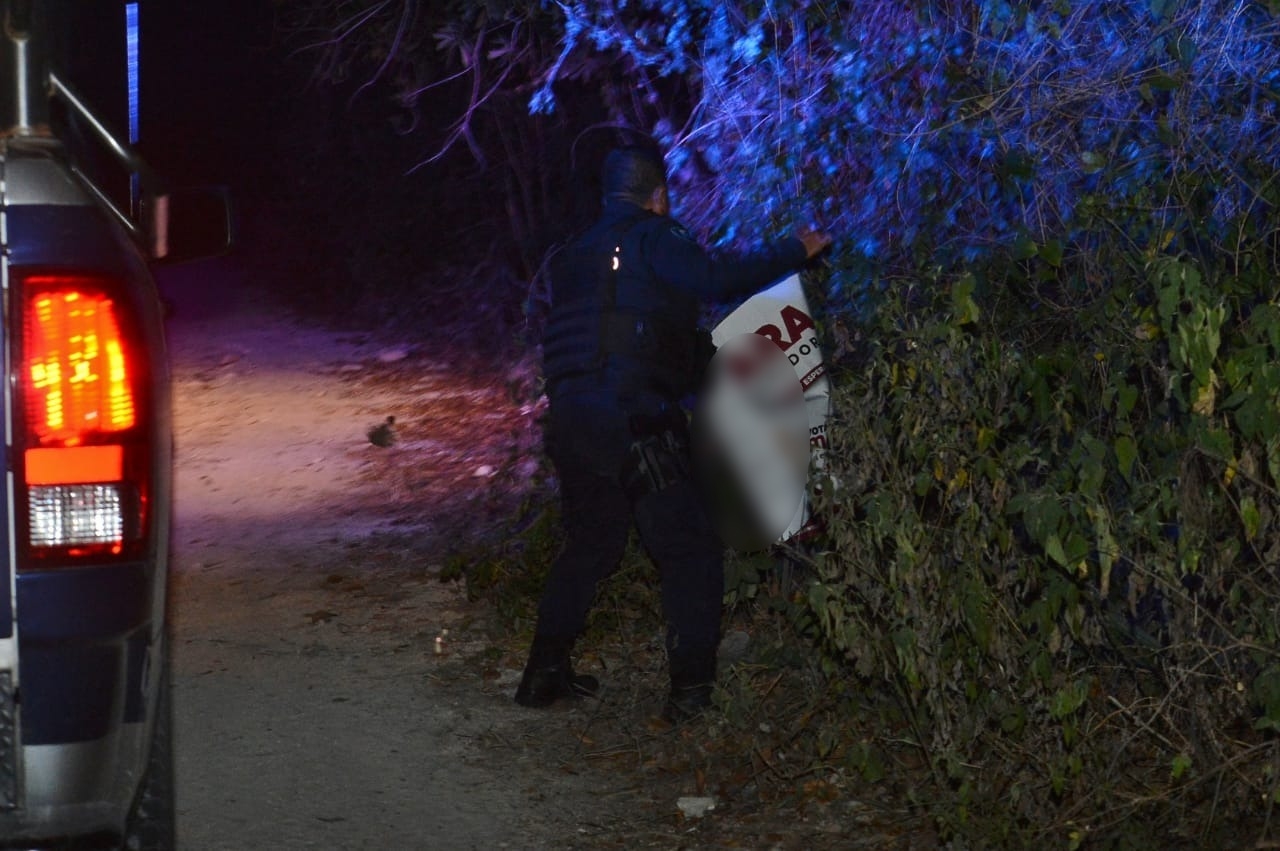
(646,346)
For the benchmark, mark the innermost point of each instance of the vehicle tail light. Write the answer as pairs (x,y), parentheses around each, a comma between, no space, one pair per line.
(83,451)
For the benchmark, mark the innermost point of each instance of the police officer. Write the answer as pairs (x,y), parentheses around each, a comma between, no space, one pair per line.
(621,349)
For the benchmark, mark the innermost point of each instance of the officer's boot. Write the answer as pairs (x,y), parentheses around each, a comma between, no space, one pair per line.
(548,676)
(693,674)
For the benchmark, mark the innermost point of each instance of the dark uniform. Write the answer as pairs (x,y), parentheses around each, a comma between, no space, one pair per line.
(620,351)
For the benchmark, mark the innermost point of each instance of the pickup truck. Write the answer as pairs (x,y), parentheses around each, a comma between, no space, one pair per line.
(85,749)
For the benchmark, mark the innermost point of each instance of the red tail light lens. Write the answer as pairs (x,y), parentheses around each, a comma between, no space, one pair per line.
(83,454)
(78,380)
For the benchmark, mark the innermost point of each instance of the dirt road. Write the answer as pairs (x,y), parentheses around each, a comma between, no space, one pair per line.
(330,691)
(310,712)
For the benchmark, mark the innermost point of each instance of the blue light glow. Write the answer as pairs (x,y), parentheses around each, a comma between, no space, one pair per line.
(131,60)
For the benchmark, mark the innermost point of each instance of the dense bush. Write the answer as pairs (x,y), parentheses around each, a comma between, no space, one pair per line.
(1054,542)
(1052,548)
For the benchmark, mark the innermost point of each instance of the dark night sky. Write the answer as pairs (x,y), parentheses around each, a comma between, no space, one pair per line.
(207,91)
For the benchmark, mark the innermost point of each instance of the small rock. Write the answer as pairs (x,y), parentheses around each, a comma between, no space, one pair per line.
(696,807)
(733,647)
(383,434)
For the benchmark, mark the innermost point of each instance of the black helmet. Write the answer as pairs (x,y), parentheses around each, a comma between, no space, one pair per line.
(631,173)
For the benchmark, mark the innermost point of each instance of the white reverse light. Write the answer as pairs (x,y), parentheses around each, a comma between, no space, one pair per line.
(76,515)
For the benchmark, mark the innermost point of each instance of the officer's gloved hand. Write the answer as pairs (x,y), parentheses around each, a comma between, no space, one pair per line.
(815,241)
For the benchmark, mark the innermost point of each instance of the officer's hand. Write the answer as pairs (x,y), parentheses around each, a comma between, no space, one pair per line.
(815,241)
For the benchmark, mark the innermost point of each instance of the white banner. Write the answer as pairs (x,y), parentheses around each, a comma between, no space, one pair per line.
(781,315)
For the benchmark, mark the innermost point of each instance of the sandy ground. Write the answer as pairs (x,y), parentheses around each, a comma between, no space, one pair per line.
(330,691)
(311,709)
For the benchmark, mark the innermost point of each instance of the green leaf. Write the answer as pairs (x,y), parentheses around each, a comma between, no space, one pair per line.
(1250,517)
(1108,549)
(1126,398)
(1181,763)
(1069,699)
(1257,418)
(1076,548)
(964,308)
(1024,247)
(1053,549)
(1217,442)
(1051,253)
(1126,454)
(1042,516)
(1273,458)
(1266,693)
(1091,473)
(1183,49)
(1169,296)
(1160,81)
(1014,719)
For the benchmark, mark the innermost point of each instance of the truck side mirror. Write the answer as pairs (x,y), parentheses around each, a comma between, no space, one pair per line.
(189,223)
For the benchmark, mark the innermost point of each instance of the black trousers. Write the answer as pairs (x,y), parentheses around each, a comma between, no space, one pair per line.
(597,515)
